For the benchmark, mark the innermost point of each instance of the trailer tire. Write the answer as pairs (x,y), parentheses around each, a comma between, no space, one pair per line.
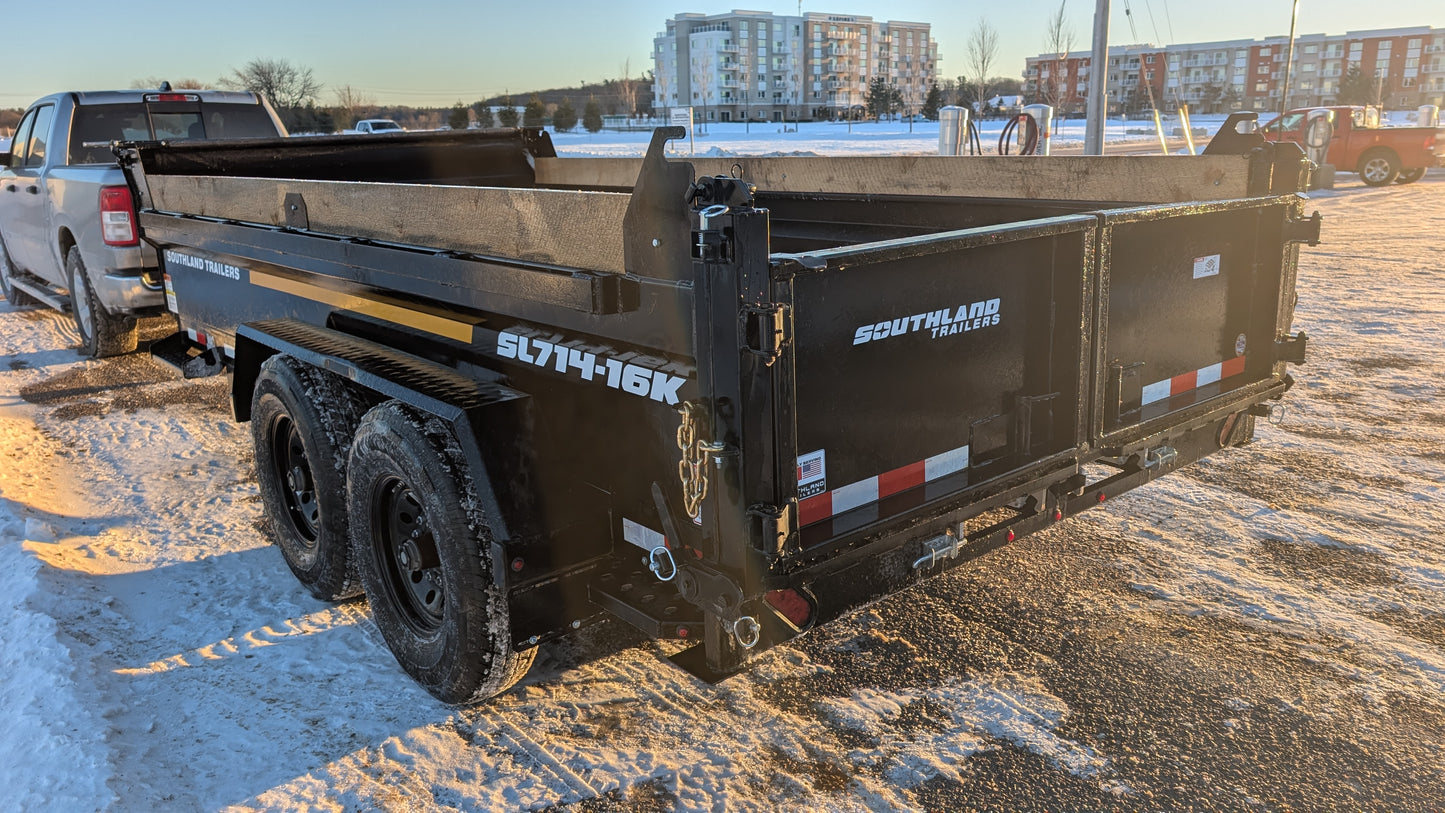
(101,334)
(302,424)
(1410,175)
(424,551)
(1379,166)
(13,295)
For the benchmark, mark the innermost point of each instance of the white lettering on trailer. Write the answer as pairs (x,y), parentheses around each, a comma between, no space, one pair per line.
(220,269)
(938,323)
(1206,266)
(615,372)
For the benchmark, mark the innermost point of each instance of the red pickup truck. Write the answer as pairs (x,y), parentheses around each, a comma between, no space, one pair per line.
(1357,142)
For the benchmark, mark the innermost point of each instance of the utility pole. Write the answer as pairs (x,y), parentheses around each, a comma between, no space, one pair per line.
(1097,108)
(1288,58)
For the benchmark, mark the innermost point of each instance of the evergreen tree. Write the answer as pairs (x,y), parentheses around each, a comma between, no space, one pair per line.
(932,103)
(564,118)
(484,115)
(880,98)
(458,119)
(592,115)
(507,115)
(534,113)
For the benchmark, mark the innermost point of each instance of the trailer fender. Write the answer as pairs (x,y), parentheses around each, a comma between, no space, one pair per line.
(488,418)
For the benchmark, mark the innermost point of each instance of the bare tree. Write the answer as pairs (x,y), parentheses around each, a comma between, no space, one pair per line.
(152,82)
(351,104)
(1058,42)
(285,86)
(627,89)
(980,50)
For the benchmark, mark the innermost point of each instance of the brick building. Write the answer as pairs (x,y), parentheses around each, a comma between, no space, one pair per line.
(1406,64)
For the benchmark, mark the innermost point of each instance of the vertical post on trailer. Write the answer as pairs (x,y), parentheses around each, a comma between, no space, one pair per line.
(1097,107)
(1159,129)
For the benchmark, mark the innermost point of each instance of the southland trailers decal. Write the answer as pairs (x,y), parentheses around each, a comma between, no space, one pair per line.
(939,323)
(629,372)
(220,269)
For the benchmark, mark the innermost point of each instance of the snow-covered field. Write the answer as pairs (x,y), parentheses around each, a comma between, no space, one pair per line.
(839,138)
(1265,630)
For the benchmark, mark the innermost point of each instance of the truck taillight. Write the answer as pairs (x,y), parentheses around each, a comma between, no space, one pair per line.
(117,216)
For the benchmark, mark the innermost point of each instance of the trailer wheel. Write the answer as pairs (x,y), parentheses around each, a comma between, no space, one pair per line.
(1379,167)
(302,424)
(424,552)
(101,334)
(1410,175)
(13,295)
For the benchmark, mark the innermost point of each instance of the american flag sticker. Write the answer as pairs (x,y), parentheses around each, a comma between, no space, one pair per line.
(812,474)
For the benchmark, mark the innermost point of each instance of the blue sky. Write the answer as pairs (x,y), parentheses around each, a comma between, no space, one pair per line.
(432,52)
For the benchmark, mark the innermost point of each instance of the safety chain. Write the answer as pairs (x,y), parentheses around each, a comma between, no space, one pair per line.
(692,470)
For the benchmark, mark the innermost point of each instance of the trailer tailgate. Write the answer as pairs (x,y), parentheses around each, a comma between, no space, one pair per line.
(926,367)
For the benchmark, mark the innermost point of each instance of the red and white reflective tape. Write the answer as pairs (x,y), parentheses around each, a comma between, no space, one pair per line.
(1193,380)
(831,503)
(206,340)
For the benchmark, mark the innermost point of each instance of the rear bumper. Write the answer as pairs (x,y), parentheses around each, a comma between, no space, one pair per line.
(127,293)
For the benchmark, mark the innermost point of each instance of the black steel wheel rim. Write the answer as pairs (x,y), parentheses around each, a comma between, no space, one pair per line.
(406,550)
(293,473)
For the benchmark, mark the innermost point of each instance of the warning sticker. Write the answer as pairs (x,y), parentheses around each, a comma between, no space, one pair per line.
(641,535)
(1206,266)
(812,474)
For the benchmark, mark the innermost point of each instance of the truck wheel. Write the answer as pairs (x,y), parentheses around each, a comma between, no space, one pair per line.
(424,551)
(1379,167)
(302,424)
(101,334)
(13,295)
(1410,175)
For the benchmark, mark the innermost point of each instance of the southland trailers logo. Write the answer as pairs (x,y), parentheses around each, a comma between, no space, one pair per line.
(939,323)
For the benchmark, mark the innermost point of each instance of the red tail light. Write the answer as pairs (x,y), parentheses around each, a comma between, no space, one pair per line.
(172,97)
(117,216)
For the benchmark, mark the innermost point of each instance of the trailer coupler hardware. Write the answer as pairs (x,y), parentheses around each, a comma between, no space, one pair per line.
(1291,348)
(747,631)
(947,546)
(1161,457)
(658,558)
(1305,231)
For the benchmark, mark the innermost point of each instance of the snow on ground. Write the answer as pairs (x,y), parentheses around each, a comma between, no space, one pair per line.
(1265,629)
(839,138)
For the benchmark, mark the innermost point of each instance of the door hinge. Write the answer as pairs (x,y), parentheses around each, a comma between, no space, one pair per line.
(769,528)
(1305,231)
(1291,348)
(763,330)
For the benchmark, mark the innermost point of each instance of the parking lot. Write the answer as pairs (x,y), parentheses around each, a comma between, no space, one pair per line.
(1265,630)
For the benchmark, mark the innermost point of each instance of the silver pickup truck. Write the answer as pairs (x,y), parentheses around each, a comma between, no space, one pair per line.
(68,234)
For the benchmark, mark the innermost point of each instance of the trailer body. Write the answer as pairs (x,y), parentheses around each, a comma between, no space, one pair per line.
(724,401)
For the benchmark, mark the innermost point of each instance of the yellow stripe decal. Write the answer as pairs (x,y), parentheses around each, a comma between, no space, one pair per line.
(437,325)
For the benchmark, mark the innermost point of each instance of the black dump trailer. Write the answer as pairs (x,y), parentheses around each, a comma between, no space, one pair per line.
(506,394)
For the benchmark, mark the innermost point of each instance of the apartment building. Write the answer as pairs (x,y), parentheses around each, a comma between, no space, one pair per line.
(1406,64)
(757,66)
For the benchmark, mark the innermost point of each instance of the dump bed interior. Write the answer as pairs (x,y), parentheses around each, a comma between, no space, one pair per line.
(392,191)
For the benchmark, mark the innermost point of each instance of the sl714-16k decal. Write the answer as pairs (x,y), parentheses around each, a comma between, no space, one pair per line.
(628,372)
(939,323)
